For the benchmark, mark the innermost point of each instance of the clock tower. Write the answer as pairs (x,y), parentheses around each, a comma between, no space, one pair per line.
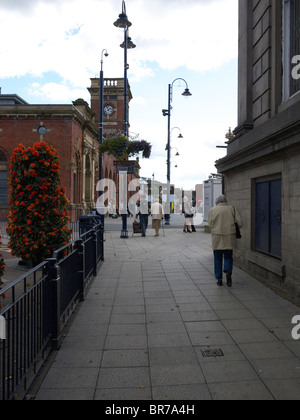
(113,105)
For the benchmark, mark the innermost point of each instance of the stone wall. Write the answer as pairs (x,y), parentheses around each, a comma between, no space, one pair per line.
(283,275)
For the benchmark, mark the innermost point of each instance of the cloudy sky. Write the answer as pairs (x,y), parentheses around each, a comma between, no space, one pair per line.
(50,49)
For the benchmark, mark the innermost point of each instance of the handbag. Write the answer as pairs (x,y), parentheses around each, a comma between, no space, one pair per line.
(189,216)
(237,229)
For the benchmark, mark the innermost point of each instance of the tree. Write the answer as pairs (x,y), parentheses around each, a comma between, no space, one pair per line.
(38,218)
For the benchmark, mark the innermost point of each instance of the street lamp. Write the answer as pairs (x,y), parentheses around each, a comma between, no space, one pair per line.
(180,134)
(167,113)
(101,95)
(123,23)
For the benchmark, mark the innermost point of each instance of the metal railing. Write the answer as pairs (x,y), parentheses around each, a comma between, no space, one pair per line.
(38,305)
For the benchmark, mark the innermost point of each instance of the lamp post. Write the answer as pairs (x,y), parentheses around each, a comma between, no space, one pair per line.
(123,23)
(101,95)
(167,113)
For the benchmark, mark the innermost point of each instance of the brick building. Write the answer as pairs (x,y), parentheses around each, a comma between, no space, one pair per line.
(113,118)
(262,166)
(68,128)
(73,131)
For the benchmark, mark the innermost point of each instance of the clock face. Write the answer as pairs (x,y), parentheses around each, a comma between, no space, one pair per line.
(42,130)
(108,110)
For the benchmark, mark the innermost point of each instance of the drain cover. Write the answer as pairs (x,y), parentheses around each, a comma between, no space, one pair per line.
(212,353)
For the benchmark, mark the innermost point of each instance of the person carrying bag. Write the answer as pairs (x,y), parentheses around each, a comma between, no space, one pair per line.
(223,221)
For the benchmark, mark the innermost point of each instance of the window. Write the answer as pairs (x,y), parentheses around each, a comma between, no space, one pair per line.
(268,217)
(295,46)
(291,48)
(3,187)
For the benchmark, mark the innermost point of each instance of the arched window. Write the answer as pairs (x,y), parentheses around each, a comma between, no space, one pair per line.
(3,178)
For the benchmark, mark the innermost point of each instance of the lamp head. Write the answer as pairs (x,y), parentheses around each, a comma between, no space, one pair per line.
(187,92)
(123,21)
(130,44)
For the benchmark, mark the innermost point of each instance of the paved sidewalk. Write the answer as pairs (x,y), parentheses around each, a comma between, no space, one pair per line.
(151,312)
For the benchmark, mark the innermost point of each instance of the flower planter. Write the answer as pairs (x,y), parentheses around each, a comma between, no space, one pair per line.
(123,148)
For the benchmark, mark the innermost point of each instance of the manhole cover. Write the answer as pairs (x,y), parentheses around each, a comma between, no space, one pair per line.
(212,353)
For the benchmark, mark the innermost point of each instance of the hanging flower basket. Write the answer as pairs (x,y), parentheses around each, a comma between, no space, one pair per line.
(38,218)
(123,148)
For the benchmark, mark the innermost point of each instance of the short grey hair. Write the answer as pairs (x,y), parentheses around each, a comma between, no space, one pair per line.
(221,199)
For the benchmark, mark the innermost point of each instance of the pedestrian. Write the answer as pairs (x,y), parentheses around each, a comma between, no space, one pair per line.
(143,208)
(188,215)
(157,212)
(221,220)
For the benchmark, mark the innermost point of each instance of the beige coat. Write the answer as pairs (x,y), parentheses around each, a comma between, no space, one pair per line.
(157,211)
(221,223)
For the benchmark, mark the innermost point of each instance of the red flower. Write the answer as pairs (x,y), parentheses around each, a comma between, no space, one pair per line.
(37,197)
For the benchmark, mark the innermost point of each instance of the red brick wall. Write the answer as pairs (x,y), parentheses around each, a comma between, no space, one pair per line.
(63,133)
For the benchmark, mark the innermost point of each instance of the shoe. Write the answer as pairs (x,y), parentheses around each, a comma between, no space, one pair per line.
(184,231)
(229,279)
(220,282)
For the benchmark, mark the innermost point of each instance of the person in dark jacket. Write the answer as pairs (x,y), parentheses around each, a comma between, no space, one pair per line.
(143,208)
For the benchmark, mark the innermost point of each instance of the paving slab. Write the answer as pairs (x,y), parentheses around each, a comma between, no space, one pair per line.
(155,326)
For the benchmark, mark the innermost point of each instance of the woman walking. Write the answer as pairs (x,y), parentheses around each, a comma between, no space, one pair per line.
(188,215)
(221,220)
(157,212)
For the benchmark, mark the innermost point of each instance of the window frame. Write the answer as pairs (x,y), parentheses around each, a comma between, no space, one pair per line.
(287,56)
(269,247)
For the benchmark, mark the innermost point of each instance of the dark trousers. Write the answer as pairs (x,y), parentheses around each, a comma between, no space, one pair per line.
(144,223)
(228,262)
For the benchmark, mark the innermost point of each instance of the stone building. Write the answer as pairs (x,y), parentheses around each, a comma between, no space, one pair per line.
(262,166)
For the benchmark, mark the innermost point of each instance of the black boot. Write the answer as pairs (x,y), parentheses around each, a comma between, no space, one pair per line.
(229,279)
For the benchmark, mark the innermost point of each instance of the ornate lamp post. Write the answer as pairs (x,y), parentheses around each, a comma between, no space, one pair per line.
(124,23)
(167,113)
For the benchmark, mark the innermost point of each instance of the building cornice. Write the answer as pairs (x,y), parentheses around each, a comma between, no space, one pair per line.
(275,135)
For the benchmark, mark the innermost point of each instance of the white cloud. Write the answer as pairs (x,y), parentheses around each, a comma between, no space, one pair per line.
(174,38)
(67,36)
(55,92)
(139,100)
(196,36)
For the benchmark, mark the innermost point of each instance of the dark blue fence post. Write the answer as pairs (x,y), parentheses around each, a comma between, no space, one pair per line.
(101,241)
(94,236)
(53,302)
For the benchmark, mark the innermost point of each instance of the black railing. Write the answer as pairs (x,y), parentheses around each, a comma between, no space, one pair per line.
(38,305)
